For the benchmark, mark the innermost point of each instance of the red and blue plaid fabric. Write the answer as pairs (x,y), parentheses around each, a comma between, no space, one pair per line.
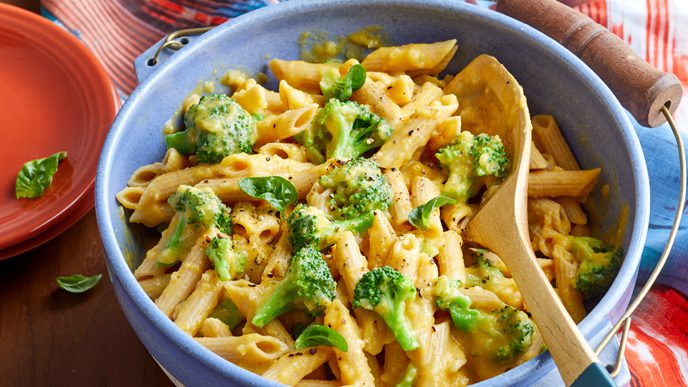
(119,30)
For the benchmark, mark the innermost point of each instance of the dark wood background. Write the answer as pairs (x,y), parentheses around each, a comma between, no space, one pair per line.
(49,337)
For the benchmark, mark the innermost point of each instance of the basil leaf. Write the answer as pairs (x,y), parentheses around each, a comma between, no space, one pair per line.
(317,334)
(356,76)
(36,175)
(277,191)
(420,215)
(78,283)
(333,85)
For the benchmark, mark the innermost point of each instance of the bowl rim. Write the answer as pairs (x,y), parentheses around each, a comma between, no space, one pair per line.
(117,264)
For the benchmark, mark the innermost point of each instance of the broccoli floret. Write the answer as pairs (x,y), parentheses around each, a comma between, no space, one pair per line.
(384,291)
(228,264)
(309,226)
(448,297)
(357,187)
(489,156)
(216,127)
(504,334)
(468,158)
(343,130)
(598,265)
(199,211)
(482,273)
(512,330)
(308,285)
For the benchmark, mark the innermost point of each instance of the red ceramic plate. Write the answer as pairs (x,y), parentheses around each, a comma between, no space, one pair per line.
(55,96)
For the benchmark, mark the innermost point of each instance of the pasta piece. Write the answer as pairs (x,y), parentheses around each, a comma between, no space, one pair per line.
(565,268)
(444,134)
(401,200)
(184,280)
(278,263)
(253,99)
(548,137)
(295,365)
(144,175)
(450,257)
(189,101)
(573,210)
(420,312)
(253,351)
(154,286)
(299,74)
(152,209)
(537,160)
(404,256)
(214,327)
(353,365)
(547,221)
(255,228)
(400,90)
(410,57)
(349,261)
(243,165)
(395,364)
(428,92)
(246,295)
(562,183)
(381,237)
(439,67)
(415,133)
(444,358)
(284,150)
(318,383)
(416,168)
(293,98)
(285,125)
(374,95)
(129,197)
(198,306)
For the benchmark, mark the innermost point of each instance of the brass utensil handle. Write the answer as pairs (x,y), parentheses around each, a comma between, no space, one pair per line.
(640,87)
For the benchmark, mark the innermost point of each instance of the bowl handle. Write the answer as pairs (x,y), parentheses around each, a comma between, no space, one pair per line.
(640,87)
(154,57)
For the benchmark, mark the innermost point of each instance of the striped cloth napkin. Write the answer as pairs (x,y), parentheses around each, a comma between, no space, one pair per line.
(117,31)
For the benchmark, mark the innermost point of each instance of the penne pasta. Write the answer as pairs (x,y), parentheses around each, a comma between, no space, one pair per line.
(224,252)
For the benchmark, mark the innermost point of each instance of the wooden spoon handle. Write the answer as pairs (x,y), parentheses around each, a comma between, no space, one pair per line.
(640,87)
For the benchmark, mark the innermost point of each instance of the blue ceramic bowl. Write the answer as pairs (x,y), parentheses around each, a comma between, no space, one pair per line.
(554,81)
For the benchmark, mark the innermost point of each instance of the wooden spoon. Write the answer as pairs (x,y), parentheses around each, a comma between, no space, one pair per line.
(501,223)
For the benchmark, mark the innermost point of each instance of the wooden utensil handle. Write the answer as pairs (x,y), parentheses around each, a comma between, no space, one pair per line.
(640,87)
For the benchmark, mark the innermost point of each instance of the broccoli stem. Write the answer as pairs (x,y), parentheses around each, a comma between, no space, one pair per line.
(168,256)
(278,303)
(464,318)
(181,141)
(399,325)
(357,224)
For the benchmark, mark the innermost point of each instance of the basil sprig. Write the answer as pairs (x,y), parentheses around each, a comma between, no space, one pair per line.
(420,215)
(276,190)
(78,283)
(317,334)
(36,175)
(333,85)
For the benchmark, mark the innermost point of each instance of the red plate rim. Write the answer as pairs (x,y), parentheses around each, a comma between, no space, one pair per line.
(45,221)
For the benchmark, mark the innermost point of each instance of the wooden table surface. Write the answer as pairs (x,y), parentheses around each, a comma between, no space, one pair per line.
(49,337)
